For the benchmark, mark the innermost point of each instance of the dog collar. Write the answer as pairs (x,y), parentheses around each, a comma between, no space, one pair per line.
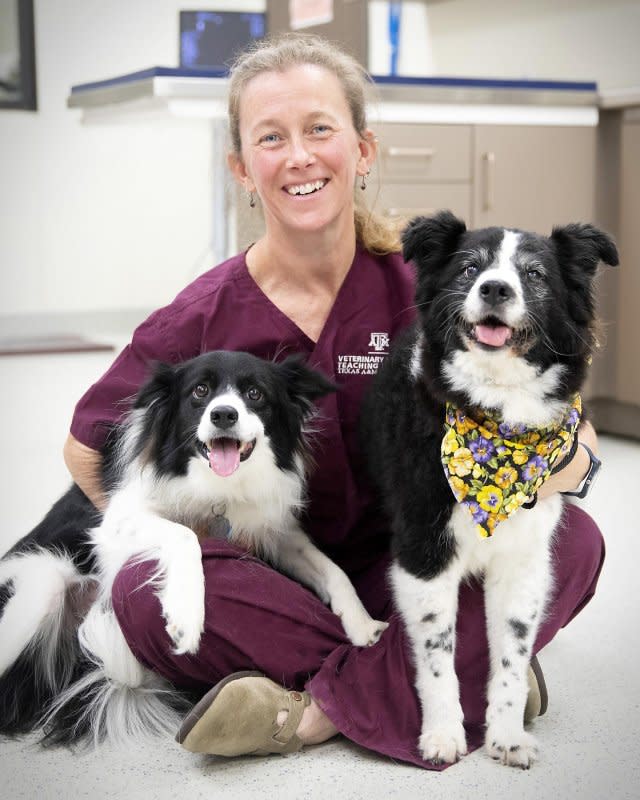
(494,468)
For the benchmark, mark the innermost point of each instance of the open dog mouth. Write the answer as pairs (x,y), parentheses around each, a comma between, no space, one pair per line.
(491,333)
(225,454)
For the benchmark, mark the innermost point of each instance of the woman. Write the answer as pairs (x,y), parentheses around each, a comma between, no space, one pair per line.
(324,277)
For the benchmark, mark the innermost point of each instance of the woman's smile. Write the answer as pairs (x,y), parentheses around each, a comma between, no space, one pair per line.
(304,189)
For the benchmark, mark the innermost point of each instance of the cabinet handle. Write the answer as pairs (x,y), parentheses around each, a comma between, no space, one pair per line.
(489,160)
(410,152)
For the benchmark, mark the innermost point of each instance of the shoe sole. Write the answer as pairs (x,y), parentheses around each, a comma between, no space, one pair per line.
(198,711)
(542,686)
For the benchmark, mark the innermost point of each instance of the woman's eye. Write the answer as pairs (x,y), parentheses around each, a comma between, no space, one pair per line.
(201,390)
(254,394)
(270,138)
(320,129)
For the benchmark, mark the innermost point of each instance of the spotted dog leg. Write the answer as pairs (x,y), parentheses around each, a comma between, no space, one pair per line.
(515,600)
(429,609)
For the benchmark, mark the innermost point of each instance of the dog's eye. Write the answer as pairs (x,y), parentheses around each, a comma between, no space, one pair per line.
(470,271)
(254,394)
(534,274)
(201,390)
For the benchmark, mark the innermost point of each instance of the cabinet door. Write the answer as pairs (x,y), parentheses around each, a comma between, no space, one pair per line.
(417,153)
(533,177)
(412,200)
(628,323)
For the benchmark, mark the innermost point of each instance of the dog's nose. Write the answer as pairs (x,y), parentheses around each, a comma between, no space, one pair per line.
(496,292)
(224,417)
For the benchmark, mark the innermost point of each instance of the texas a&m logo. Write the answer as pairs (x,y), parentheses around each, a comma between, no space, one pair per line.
(368,364)
(379,342)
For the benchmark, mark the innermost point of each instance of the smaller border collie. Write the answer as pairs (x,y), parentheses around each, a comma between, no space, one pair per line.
(503,336)
(215,444)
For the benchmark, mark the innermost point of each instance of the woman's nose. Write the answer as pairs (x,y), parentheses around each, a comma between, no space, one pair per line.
(299,153)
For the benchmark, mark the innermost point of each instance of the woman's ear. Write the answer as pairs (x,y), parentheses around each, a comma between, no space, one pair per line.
(368,144)
(239,171)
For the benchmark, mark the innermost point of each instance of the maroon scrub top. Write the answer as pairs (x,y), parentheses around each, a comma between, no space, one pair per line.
(225,309)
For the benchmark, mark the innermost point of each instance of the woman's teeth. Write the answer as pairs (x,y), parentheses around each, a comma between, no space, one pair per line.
(306,188)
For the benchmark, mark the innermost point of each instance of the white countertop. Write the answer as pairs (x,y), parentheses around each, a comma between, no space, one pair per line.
(453,101)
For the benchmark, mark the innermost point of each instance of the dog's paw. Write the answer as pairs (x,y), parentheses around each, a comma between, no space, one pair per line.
(364,632)
(443,745)
(185,638)
(518,749)
(184,617)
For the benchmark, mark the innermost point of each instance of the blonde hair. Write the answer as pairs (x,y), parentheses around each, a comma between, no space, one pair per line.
(278,53)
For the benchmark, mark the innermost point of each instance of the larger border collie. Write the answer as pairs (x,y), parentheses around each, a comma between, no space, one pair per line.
(467,416)
(215,444)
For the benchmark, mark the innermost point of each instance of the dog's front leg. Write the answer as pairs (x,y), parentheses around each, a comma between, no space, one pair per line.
(515,595)
(429,610)
(143,536)
(300,558)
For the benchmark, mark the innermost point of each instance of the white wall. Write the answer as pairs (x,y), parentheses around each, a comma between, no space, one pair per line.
(561,39)
(99,217)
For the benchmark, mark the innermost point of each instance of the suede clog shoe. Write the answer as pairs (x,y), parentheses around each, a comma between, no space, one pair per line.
(239,717)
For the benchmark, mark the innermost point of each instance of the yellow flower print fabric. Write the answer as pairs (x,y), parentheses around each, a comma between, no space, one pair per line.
(494,468)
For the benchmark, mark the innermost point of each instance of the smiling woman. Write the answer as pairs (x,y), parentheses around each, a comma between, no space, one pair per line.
(17,55)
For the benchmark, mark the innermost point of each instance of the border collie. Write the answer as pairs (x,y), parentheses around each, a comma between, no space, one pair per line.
(215,444)
(493,366)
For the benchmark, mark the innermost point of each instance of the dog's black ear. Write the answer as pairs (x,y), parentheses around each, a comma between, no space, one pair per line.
(433,239)
(584,246)
(304,384)
(159,388)
(579,248)
(157,400)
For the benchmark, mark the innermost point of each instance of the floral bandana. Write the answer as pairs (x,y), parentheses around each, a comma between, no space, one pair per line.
(494,468)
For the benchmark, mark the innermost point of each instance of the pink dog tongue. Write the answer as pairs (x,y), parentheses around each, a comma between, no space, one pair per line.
(224,457)
(494,337)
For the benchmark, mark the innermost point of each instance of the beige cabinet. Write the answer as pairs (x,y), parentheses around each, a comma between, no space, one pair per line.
(628,350)
(616,383)
(533,177)
(420,169)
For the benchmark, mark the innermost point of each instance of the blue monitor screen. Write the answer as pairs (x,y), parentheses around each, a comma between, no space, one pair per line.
(211,39)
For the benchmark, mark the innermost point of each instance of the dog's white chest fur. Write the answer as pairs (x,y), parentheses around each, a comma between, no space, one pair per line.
(523,536)
(505,381)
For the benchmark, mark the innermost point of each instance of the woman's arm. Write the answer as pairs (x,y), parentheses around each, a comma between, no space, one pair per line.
(85,464)
(574,473)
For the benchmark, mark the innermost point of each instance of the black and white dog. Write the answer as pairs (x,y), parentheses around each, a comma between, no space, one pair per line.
(497,356)
(217,443)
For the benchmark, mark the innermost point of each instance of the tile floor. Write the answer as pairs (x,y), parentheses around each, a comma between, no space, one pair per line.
(589,737)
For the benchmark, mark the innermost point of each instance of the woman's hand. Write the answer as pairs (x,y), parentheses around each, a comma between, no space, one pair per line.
(569,478)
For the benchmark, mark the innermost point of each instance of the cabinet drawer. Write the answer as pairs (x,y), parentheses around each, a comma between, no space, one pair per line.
(412,200)
(424,152)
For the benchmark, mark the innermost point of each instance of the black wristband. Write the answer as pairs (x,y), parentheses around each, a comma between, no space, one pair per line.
(587,481)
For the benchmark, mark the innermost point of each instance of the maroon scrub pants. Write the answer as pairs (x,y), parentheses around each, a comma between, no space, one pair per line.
(258,619)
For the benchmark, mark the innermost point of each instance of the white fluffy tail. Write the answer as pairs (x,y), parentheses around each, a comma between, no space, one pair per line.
(116,699)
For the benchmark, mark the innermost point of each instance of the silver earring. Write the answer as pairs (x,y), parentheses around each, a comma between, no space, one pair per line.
(252,200)
(363,182)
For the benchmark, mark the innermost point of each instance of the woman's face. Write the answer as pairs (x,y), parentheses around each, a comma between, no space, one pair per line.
(300,151)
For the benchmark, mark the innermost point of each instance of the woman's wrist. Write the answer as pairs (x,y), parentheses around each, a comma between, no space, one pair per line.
(573,474)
